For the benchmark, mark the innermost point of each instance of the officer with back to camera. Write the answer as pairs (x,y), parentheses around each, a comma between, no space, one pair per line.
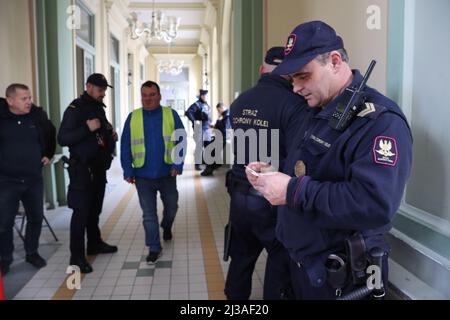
(268,107)
(91,141)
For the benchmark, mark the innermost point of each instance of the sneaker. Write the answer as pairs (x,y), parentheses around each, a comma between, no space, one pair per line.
(153,256)
(198,167)
(84,266)
(36,260)
(167,234)
(100,248)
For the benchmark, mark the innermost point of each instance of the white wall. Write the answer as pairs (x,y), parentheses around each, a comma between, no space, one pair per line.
(195,79)
(16,58)
(225,54)
(347,17)
(215,72)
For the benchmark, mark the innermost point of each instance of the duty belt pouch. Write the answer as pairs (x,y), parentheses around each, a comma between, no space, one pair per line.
(356,253)
(337,270)
(229,181)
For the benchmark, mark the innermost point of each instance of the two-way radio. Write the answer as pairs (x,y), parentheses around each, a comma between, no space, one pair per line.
(350,104)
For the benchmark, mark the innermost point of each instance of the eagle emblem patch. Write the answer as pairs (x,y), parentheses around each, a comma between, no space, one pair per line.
(385,151)
(292,39)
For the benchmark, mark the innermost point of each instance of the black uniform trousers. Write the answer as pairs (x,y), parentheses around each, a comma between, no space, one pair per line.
(85,197)
(253,222)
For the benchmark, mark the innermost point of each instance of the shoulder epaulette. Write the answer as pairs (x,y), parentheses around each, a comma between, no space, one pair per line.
(371,110)
(75,103)
(368,108)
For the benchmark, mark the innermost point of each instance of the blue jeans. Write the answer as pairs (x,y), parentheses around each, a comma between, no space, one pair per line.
(31,193)
(147,190)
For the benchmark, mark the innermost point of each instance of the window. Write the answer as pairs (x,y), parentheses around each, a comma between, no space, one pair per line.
(141,69)
(114,49)
(425,100)
(87,31)
(85,47)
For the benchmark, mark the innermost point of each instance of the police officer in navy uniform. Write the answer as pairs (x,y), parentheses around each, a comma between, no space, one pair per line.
(268,107)
(222,125)
(200,113)
(337,185)
(91,141)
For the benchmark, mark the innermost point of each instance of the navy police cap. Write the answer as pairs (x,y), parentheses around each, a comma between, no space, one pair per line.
(99,80)
(306,42)
(274,56)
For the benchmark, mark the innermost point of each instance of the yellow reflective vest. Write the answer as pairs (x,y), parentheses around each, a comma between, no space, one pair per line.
(138,137)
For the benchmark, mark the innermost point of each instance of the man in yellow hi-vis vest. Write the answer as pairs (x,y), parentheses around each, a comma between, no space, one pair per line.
(153,147)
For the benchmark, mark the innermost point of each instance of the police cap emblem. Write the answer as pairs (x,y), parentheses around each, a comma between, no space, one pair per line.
(292,39)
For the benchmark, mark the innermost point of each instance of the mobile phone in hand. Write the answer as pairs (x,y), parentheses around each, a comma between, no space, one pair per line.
(253,172)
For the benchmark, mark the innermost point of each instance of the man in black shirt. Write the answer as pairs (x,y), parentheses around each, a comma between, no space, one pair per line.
(27,143)
(91,141)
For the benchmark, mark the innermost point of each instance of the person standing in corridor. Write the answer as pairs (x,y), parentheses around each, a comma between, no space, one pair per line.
(153,147)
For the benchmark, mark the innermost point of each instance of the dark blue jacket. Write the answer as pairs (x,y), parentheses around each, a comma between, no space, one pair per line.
(269,105)
(91,148)
(223,124)
(154,166)
(24,141)
(354,181)
(200,111)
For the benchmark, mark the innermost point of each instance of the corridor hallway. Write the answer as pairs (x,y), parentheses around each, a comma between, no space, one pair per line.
(190,268)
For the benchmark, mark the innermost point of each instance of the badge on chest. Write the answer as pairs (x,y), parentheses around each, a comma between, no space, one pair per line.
(300,169)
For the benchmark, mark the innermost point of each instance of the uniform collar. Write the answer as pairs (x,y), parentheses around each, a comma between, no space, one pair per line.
(326,112)
(89,99)
(275,79)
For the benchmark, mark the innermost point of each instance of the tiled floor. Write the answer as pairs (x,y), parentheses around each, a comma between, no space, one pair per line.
(191,266)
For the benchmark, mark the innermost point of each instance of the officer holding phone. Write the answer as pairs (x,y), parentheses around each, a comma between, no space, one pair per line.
(337,182)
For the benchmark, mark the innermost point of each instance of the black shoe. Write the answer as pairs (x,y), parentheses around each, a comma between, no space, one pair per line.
(167,234)
(36,260)
(153,256)
(102,247)
(4,268)
(84,266)
(198,167)
(206,172)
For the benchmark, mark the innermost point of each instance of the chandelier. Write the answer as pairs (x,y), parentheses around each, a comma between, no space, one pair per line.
(173,67)
(161,27)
